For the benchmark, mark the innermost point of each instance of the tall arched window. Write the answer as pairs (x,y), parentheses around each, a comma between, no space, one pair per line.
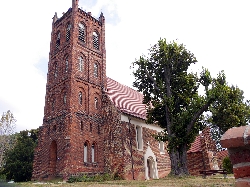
(53,104)
(90,127)
(82,31)
(95,69)
(68,32)
(64,98)
(58,40)
(161,147)
(80,63)
(80,98)
(93,152)
(81,125)
(96,103)
(139,137)
(85,152)
(66,65)
(56,70)
(95,40)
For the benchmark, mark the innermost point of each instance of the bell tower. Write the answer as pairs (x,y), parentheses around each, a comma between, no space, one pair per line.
(70,139)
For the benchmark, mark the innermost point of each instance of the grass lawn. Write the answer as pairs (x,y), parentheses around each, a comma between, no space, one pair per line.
(213,181)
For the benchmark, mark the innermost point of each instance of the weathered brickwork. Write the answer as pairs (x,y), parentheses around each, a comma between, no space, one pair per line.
(71,137)
(203,155)
(237,140)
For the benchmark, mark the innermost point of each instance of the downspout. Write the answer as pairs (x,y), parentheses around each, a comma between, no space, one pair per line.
(131,153)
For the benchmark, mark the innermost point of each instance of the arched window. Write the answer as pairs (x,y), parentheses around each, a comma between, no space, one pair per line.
(58,40)
(80,63)
(95,40)
(68,32)
(85,152)
(93,152)
(96,103)
(80,98)
(56,70)
(82,31)
(81,125)
(161,147)
(54,128)
(66,65)
(95,69)
(139,137)
(64,98)
(90,127)
(53,104)
(98,129)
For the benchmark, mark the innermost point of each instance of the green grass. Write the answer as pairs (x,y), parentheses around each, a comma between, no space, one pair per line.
(214,181)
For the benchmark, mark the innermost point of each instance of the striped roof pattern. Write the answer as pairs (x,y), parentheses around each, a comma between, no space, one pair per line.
(126,99)
(196,145)
(222,154)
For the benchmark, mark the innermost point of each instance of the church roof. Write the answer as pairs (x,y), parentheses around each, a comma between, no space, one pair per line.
(129,101)
(196,145)
(126,99)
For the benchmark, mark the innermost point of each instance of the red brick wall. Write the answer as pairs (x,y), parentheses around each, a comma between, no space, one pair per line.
(205,158)
(63,116)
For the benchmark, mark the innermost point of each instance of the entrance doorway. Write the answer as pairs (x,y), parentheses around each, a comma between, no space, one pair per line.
(53,158)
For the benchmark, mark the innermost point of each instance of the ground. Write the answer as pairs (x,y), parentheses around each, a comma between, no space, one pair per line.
(214,181)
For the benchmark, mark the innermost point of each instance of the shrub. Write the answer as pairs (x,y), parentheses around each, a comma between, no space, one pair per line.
(227,165)
(94,178)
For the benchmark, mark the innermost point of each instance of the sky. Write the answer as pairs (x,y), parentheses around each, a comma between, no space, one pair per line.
(216,31)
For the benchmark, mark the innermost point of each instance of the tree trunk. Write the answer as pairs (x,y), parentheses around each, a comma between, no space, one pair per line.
(178,159)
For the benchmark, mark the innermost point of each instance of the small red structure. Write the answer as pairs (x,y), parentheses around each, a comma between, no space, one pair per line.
(237,140)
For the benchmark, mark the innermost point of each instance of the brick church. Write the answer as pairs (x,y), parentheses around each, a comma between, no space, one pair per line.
(93,124)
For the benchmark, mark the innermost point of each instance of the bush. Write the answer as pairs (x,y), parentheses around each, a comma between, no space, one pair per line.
(227,165)
(94,178)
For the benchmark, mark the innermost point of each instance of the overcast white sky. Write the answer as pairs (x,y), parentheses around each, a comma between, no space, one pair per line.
(216,31)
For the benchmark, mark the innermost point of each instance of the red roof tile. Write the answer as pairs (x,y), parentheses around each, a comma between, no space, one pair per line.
(126,99)
(222,154)
(196,145)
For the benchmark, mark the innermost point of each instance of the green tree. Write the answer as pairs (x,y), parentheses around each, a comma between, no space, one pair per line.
(172,99)
(7,129)
(229,110)
(19,160)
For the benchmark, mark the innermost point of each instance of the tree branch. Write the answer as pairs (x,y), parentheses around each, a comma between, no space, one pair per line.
(197,115)
(154,82)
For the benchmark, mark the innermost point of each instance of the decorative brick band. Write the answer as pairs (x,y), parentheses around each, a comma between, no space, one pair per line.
(243,164)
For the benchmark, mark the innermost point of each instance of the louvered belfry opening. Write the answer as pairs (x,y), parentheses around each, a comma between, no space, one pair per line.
(95,40)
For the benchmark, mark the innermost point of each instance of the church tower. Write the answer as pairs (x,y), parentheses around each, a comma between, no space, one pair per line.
(70,139)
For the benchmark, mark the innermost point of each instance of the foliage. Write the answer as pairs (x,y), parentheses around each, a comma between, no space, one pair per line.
(229,110)
(172,99)
(18,161)
(227,165)
(7,139)
(94,178)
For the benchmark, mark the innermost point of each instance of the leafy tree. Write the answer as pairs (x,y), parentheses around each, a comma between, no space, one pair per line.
(172,99)
(7,128)
(229,110)
(19,160)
